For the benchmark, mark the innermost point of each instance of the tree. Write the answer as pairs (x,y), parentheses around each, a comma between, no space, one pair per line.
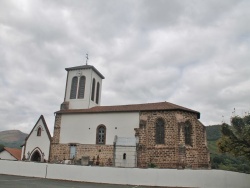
(236,137)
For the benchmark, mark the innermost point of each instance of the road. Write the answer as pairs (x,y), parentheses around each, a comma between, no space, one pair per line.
(7,181)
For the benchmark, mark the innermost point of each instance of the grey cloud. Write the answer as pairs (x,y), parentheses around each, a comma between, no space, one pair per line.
(192,53)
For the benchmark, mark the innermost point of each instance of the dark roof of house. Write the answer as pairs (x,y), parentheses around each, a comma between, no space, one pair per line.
(85,67)
(160,106)
(14,152)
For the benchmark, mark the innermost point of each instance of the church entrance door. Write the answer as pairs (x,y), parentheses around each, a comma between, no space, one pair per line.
(36,156)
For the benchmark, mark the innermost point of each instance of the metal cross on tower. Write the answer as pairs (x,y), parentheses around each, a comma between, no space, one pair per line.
(87,58)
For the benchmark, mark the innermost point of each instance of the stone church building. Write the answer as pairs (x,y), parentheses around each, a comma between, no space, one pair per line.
(160,134)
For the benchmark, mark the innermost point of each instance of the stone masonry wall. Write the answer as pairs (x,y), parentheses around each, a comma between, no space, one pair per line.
(173,153)
(98,154)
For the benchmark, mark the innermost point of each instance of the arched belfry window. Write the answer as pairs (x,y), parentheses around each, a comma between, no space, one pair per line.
(187,132)
(159,131)
(73,88)
(97,93)
(93,90)
(101,134)
(39,131)
(81,88)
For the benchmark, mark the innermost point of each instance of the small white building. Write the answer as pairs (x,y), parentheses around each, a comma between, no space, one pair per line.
(125,152)
(11,154)
(37,143)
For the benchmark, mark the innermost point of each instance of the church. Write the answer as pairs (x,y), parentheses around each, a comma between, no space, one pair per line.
(162,135)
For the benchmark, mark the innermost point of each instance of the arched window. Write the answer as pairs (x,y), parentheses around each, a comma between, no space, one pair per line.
(187,132)
(81,88)
(160,131)
(97,93)
(39,131)
(73,88)
(101,134)
(93,90)
(124,156)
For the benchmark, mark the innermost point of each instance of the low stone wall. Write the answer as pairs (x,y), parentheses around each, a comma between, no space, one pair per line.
(131,176)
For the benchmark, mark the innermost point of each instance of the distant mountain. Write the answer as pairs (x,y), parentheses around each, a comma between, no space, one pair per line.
(12,138)
(224,161)
(213,132)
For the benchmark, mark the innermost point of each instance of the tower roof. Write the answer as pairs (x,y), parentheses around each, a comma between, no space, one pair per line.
(85,67)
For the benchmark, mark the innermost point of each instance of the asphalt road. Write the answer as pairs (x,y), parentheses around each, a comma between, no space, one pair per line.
(7,181)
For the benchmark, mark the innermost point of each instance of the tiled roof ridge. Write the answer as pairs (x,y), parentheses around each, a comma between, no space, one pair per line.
(14,152)
(131,108)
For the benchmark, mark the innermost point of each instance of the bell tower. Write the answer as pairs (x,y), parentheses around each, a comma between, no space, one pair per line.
(83,88)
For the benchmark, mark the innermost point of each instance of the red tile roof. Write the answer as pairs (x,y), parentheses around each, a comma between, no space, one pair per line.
(14,152)
(162,106)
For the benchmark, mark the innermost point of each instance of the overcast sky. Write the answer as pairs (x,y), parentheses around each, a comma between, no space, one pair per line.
(192,53)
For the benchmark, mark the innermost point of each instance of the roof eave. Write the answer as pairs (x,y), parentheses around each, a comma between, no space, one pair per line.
(119,111)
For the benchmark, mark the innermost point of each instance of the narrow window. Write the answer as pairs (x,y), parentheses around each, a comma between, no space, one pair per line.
(97,93)
(101,134)
(187,130)
(81,88)
(159,132)
(72,154)
(73,88)
(124,156)
(39,131)
(93,90)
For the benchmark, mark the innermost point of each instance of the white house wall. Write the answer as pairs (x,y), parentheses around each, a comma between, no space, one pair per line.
(35,141)
(6,155)
(81,128)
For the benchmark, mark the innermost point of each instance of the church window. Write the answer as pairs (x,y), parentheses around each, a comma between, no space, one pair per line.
(39,131)
(73,88)
(93,90)
(124,156)
(72,154)
(97,93)
(81,88)
(187,132)
(101,134)
(160,131)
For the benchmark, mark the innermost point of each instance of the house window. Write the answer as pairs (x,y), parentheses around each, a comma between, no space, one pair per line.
(160,131)
(93,90)
(39,131)
(187,132)
(73,88)
(101,134)
(72,154)
(81,88)
(97,93)
(124,156)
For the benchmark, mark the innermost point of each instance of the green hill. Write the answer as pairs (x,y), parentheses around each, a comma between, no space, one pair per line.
(220,160)
(12,138)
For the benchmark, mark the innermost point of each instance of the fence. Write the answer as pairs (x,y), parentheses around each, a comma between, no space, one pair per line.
(128,176)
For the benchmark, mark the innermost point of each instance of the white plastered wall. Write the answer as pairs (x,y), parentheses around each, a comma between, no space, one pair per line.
(86,102)
(81,128)
(7,156)
(130,152)
(42,142)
